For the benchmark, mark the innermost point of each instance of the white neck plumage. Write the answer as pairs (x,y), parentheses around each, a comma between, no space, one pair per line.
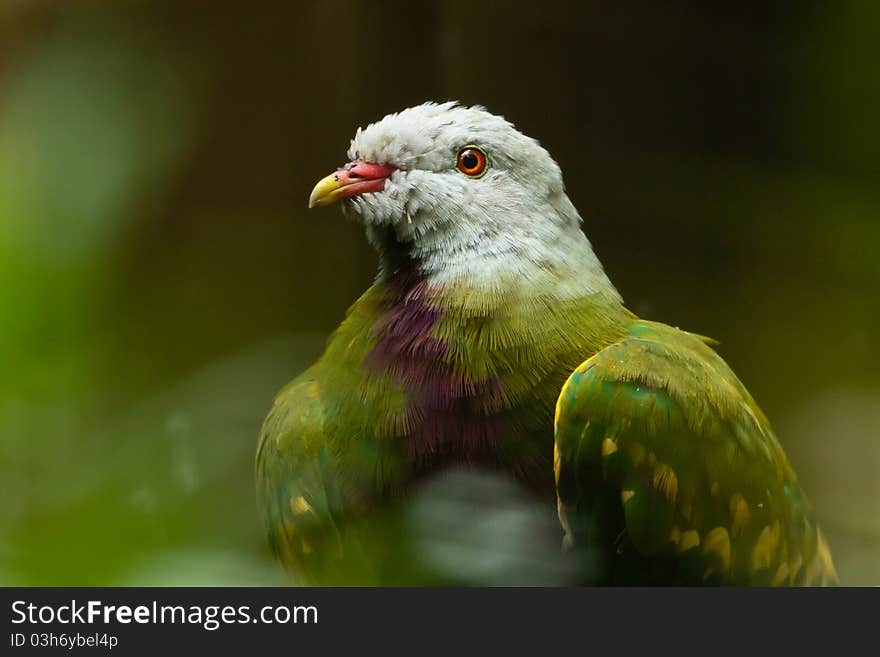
(552,258)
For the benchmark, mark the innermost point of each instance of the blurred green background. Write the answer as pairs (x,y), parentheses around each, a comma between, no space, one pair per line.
(160,277)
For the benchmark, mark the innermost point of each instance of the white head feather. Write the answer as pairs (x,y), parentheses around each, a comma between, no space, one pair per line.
(514,225)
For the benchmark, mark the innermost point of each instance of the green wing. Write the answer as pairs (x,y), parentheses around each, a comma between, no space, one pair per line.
(668,472)
(317,493)
(293,482)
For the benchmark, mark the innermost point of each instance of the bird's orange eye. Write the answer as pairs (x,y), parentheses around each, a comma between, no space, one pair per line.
(471,161)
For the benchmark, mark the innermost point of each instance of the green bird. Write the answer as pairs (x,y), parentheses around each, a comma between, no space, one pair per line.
(493,339)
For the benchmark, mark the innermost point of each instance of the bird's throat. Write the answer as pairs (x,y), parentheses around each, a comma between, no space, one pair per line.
(397,264)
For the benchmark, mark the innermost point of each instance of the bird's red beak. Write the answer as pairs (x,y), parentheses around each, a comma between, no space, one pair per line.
(352,179)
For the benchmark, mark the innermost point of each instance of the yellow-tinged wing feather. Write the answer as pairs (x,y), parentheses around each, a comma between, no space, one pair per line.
(292,477)
(668,472)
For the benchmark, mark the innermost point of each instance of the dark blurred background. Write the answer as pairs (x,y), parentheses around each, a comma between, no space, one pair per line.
(160,276)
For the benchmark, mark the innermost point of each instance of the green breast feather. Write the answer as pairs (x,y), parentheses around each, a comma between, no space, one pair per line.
(665,462)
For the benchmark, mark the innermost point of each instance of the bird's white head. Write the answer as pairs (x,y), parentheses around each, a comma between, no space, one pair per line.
(469,198)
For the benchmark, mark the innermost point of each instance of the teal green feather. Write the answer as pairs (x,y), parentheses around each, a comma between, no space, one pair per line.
(665,461)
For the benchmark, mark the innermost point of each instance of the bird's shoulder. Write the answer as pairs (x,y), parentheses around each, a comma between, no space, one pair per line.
(296,419)
(668,375)
(658,427)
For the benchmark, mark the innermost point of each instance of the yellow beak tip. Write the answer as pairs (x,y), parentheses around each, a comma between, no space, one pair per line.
(325,192)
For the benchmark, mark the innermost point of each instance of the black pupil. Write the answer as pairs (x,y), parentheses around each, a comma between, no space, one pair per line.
(469,160)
